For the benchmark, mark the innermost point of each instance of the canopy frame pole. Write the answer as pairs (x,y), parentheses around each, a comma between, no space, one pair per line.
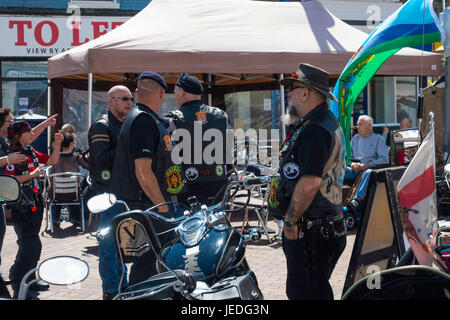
(209,90)
(90,80)
(446,76)
(282,109)
(49,111)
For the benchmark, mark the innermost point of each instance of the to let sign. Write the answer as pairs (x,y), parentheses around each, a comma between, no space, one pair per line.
(47,36)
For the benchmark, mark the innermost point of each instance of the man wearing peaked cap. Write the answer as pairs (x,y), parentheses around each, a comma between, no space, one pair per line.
(308,194)
(144,174)
(204,178)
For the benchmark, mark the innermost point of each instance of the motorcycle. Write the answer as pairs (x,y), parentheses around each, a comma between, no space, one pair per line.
(205,260)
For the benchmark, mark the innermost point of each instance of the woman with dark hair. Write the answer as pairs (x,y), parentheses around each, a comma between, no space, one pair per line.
(28,213)
(6,158)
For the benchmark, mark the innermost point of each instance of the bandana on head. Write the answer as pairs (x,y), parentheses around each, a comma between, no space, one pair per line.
(17,128)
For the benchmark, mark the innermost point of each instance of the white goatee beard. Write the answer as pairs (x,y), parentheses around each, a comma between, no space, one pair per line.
(291,116)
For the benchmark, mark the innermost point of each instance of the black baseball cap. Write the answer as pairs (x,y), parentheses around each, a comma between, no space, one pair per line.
(153,76)
(190,84)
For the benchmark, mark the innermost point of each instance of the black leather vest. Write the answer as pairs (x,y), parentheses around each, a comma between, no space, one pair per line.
(210,118)
(328,199)
(124,182)
(104,133)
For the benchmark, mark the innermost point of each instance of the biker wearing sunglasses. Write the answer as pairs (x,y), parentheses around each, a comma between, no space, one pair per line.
(103,138)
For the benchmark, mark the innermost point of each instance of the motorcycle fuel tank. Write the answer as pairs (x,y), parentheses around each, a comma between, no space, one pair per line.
(219,251)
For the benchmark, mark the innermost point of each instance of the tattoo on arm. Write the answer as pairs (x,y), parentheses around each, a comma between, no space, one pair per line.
(304,193)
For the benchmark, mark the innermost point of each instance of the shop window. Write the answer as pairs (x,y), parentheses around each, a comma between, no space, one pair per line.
(24,69)
(393,98)
(255,110)
(406,98)
(21,96)
(168,104)
(383,100)
(95,4)
(24,86)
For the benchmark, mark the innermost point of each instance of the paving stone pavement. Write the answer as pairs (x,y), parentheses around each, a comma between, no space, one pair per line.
(266,260)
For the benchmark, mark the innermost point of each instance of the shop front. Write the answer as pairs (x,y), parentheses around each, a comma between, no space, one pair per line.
(27,43)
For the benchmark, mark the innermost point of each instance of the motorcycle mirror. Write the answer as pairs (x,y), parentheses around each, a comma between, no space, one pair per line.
(406,138)
(9,189)
(101,202)
(447,169)
(63,270)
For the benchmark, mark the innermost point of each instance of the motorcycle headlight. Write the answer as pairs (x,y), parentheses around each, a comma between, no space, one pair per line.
(191,231)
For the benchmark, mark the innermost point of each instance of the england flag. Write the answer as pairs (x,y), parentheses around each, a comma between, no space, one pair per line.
(417,197)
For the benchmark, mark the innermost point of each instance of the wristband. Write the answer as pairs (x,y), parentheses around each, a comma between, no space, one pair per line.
(7,159)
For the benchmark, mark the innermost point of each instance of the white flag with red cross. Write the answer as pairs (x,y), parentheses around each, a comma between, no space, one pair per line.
(417,196)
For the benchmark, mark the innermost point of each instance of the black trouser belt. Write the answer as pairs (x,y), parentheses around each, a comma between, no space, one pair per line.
(326,219)
(326,224)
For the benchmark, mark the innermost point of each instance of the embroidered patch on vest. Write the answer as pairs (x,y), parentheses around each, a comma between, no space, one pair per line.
(273,193)
(291,170)
(219,170)
(106,175)
(168,142)
(174,181)
(191,173)
(201,116)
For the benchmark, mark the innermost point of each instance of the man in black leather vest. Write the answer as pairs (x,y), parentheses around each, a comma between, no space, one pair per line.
(204,177)
(309,191)
(144,174)
(102,137)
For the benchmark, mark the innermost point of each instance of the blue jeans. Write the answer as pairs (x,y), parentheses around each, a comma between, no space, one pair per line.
(362,188)
(110,267)
(350,177)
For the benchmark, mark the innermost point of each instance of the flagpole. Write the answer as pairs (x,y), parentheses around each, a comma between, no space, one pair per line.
(432,121)
(432,135)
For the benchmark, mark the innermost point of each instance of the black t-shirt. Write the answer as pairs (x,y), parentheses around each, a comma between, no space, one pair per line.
(313,150)
(144,137)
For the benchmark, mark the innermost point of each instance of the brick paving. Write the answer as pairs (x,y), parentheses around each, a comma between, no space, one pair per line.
(266,260)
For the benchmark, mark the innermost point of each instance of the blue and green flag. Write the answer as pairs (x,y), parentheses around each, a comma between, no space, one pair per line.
(413,24)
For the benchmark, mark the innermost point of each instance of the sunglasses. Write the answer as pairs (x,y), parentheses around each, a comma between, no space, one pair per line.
(124,98)
(296,87)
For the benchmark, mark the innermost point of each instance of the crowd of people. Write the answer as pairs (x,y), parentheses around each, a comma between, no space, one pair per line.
(130,156)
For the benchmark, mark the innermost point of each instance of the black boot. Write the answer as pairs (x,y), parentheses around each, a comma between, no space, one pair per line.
(108,296)
(39,286)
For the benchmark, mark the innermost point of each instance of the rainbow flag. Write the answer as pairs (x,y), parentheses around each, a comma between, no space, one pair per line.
(413,24)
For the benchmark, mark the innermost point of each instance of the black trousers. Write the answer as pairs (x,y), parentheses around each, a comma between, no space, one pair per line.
(27,225)
(310,263)
(74,213)
(2,229)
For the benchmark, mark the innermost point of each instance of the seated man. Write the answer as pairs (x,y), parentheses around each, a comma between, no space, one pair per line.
(370,150)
